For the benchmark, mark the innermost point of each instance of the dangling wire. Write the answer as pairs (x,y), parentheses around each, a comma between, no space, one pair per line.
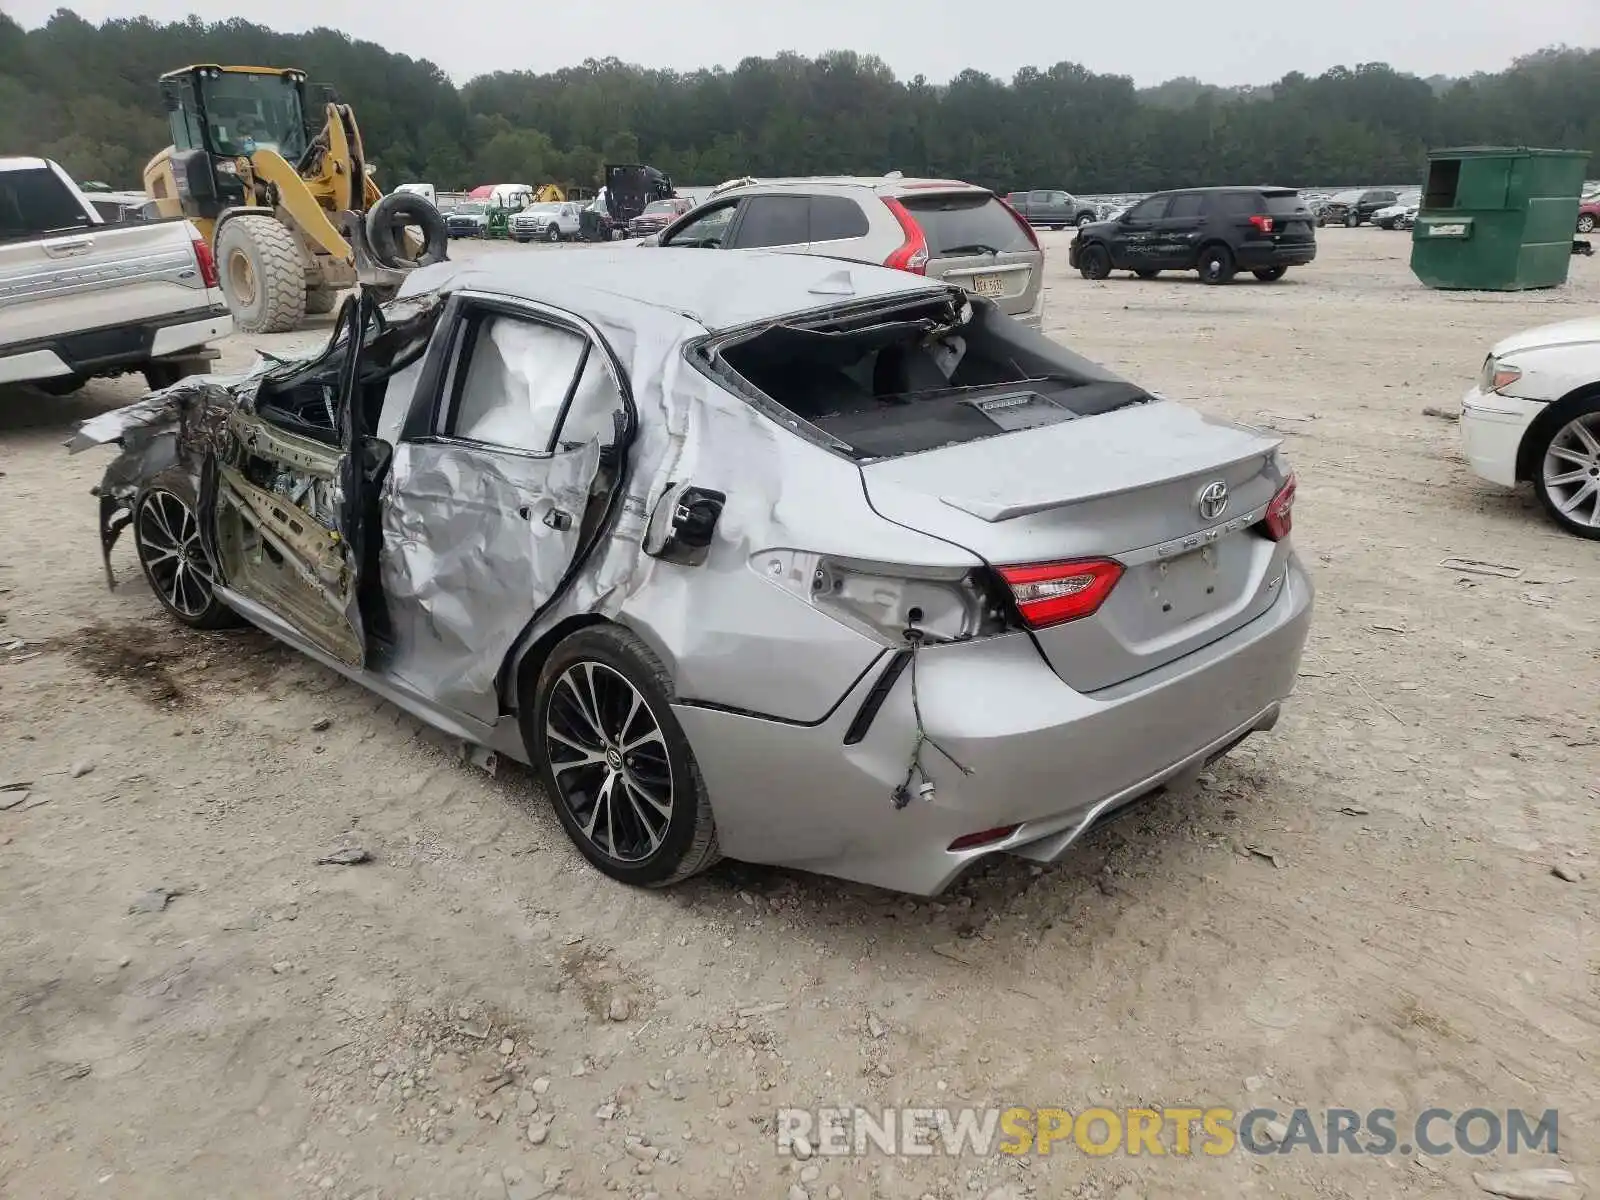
(916,773)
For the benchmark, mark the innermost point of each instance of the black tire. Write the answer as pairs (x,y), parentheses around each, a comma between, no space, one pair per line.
(1542,463)
(1094,262)
(1270,274)
(60,385)
(616,667)
(1147,274)
(321,300)
(1216,265)
(1586,223)
(185,590)
(386,225)
(263,274)
(1351,221)
(1084,219)
(553,234)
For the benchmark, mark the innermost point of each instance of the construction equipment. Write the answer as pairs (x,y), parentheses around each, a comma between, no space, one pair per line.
(291,211)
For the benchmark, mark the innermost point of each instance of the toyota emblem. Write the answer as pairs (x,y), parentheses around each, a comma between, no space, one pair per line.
(1213,500)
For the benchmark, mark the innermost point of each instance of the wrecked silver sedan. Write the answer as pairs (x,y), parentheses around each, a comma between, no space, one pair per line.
(793,560)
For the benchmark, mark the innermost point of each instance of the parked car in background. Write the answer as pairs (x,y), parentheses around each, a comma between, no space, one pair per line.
(1052,209)
(1215,231)
(548,222)
(1356,207)
(470,218)
(81,297)
(941,228)
(1534,415)
(1402,214)
(1021,592)
(657,215)
(1588,214)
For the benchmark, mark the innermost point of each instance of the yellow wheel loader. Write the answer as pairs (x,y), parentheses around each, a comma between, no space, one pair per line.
(291,211)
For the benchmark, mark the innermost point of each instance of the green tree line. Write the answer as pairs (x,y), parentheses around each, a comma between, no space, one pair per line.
(85,95)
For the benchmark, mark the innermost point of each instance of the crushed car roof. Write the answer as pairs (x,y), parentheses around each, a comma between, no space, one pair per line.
(716,289)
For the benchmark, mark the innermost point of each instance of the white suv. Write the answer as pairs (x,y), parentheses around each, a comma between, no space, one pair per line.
(940,228)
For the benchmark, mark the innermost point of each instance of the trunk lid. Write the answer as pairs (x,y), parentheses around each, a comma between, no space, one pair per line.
(1125,485)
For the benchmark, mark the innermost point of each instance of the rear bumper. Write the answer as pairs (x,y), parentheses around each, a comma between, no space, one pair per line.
(1492,429)
(113,349)
(1042,757)
(1263,257)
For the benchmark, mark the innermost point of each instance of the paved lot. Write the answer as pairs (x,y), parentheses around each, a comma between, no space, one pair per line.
(397,1029)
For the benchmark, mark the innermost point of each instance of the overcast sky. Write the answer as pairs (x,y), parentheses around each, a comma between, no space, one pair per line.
(1219,41)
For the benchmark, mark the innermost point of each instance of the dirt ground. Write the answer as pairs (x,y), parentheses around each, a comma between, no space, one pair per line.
(438,1022)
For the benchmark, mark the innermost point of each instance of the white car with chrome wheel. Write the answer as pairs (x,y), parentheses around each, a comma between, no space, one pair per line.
(1535,415)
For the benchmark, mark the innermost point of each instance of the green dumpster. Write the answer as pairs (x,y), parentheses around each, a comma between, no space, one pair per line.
(1497,218)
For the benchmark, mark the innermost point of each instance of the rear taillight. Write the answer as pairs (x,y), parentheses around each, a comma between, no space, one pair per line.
(1022,222)
(1049,593)
(1262,224)
(913,252)
(206,262)
(1280,513)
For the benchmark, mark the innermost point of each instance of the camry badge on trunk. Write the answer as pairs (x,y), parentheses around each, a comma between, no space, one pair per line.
(1213,500)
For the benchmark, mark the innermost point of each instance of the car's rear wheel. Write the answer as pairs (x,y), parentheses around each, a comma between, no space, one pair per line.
(1270,274)
(1094,262)
(615,761)
(1216,265)
(1568,478)
(166,537)
(1147,274)
(1586,223)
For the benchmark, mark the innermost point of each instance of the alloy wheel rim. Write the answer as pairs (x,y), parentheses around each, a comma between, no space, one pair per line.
(609,760)
(1572,470)
(170,548)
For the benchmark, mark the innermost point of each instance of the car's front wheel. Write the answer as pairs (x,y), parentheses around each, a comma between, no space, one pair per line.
(1084,219)
(166,537)
(1568,475)
(1094,262)
(615,761)
(553,234)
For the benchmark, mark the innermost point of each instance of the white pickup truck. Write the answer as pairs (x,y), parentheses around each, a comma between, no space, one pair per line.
(80,298)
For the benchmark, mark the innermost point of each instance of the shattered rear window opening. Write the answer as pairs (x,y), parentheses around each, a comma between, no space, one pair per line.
(918,376)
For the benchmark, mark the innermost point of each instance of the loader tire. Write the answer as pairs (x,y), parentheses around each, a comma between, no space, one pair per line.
(321,300)
(263,274)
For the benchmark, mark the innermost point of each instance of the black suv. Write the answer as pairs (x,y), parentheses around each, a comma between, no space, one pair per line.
(1356,208)
(1216,231)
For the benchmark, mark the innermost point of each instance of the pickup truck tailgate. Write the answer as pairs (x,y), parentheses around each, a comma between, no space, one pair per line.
(100,276)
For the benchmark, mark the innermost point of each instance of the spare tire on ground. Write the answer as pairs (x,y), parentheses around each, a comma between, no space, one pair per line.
(386,224)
